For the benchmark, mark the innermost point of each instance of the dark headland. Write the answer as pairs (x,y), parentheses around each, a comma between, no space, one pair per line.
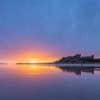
(78,59)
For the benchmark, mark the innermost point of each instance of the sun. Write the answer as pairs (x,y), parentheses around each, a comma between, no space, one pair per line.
(34,61)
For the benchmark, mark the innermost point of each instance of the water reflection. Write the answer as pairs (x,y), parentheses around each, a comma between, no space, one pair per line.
(43,69)
(36,69)
(46,69)
(77,70)
(48,82)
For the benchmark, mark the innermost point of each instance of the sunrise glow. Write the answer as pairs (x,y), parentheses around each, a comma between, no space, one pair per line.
(35,69)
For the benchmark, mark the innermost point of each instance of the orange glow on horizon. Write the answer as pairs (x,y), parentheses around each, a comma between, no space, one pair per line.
(29,59)
(33,57)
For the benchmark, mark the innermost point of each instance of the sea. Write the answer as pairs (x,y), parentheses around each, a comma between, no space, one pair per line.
(49,82)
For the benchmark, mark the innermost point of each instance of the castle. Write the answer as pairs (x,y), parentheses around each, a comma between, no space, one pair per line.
(79,59)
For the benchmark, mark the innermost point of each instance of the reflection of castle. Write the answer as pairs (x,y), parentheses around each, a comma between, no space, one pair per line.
(77,70)
(79,59)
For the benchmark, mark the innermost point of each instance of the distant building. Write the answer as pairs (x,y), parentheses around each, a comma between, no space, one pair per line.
(78,59)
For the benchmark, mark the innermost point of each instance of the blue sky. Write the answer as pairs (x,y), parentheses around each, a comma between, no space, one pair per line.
(62,27)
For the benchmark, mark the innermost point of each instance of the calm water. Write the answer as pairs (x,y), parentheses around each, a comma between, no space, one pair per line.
(44,82)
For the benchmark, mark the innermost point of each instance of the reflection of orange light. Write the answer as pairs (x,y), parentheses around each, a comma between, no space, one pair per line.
(36,69)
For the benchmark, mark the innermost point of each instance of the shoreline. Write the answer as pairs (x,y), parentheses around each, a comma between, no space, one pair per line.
(64,65)
(78,65)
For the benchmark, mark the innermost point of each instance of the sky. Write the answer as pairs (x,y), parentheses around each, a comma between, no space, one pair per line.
(48,29)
